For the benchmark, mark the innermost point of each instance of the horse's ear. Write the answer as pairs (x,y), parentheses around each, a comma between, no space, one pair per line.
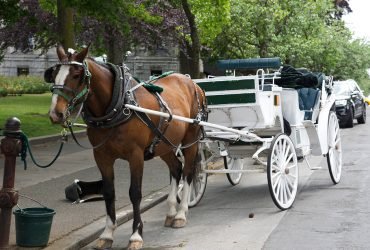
(82,54)
(61,53)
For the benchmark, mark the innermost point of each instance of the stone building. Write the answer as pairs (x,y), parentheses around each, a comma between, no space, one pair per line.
(17,63)
(144,63)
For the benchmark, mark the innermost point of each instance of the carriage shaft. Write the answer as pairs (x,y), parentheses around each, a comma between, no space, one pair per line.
(243,133)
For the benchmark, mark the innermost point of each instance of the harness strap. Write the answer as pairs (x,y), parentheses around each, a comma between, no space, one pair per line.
(70,127)
(149,151)
(149,123)
(164,104)
(145,118)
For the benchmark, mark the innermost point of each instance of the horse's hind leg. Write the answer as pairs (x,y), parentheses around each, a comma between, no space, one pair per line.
(190,155)
(105,165)
(175,167)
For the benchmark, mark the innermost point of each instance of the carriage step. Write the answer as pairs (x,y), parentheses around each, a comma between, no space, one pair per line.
(314,137)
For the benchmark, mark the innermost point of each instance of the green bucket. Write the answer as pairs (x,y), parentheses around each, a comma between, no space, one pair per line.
(33,225)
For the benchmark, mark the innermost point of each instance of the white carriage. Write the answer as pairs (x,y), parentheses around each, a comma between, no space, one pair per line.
(275,126)
(253,117)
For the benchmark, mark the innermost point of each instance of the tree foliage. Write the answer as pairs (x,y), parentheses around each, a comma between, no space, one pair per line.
(106,25)
(21,20)
(302,33)
(307,34)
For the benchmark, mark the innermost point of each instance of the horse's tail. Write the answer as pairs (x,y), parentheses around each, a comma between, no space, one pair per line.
(202,102)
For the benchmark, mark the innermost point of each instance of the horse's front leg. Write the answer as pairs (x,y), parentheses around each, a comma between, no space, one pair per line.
(136,169)
(105,240)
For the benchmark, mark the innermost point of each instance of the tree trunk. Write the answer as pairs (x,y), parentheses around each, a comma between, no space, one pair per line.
(194,48)
(184,63)
(65,25)
(115,49)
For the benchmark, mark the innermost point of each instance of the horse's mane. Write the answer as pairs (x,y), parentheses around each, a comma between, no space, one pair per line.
(103,64)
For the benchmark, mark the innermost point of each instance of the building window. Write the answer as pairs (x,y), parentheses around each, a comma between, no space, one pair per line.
(23,71)
(155,72)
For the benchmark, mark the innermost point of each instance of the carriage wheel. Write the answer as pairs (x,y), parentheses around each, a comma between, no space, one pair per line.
(233,164)
(282,171)
(334,156)
(199,183)
(197,189)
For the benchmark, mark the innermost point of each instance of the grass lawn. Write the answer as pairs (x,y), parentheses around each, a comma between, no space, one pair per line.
(32,110)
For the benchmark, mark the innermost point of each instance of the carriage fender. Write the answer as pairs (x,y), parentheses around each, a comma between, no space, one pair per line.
(322,127)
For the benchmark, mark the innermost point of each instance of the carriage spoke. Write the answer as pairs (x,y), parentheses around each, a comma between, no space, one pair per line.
(286,150)
(283,193)
(288,161)
(275,174)
(292,182)
(194,189)
(275,167)
(289,183)
(288,191)
(278,187)
(277,178)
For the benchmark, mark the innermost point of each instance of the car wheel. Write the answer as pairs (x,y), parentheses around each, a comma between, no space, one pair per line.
(349,123)
(362,118)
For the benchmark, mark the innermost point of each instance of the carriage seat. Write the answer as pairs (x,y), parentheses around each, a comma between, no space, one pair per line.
(266,87)
(309,102)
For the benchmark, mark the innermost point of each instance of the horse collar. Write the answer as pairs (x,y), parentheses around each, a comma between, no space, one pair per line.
(116,113)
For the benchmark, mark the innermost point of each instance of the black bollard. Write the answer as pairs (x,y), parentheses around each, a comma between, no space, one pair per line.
(11,147)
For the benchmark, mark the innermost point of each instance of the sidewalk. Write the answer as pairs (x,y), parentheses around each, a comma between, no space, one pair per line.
(75,225)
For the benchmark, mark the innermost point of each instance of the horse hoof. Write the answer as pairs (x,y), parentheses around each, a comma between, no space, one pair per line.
(104,244)
(179,223)
(133,245)
(169,221)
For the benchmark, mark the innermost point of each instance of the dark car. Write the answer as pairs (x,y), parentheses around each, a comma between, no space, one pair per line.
(349,103)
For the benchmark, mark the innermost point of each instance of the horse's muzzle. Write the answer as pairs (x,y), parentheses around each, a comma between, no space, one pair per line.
(56,117)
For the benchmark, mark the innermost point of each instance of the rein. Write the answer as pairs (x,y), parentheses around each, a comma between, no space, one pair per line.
(70,127)
(26,147)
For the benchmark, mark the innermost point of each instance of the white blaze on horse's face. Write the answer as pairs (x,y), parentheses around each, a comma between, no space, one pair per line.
(59,80)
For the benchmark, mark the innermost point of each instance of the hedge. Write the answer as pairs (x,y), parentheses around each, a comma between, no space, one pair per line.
(22,85)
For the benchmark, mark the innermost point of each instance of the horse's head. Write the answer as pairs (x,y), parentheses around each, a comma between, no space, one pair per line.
(71,80)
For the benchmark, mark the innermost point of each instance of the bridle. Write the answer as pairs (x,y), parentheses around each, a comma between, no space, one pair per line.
(78,97)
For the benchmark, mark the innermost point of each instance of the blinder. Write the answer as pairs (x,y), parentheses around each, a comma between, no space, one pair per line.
(48,75)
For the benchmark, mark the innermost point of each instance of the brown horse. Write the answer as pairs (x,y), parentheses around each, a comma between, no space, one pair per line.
(121,133)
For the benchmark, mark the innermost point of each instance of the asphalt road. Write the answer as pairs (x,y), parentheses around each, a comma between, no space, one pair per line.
(324,216)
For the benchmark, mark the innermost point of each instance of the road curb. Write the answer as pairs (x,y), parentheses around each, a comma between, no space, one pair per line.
(85,235)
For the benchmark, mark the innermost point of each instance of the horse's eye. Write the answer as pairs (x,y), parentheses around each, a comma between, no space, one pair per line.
(76,77)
